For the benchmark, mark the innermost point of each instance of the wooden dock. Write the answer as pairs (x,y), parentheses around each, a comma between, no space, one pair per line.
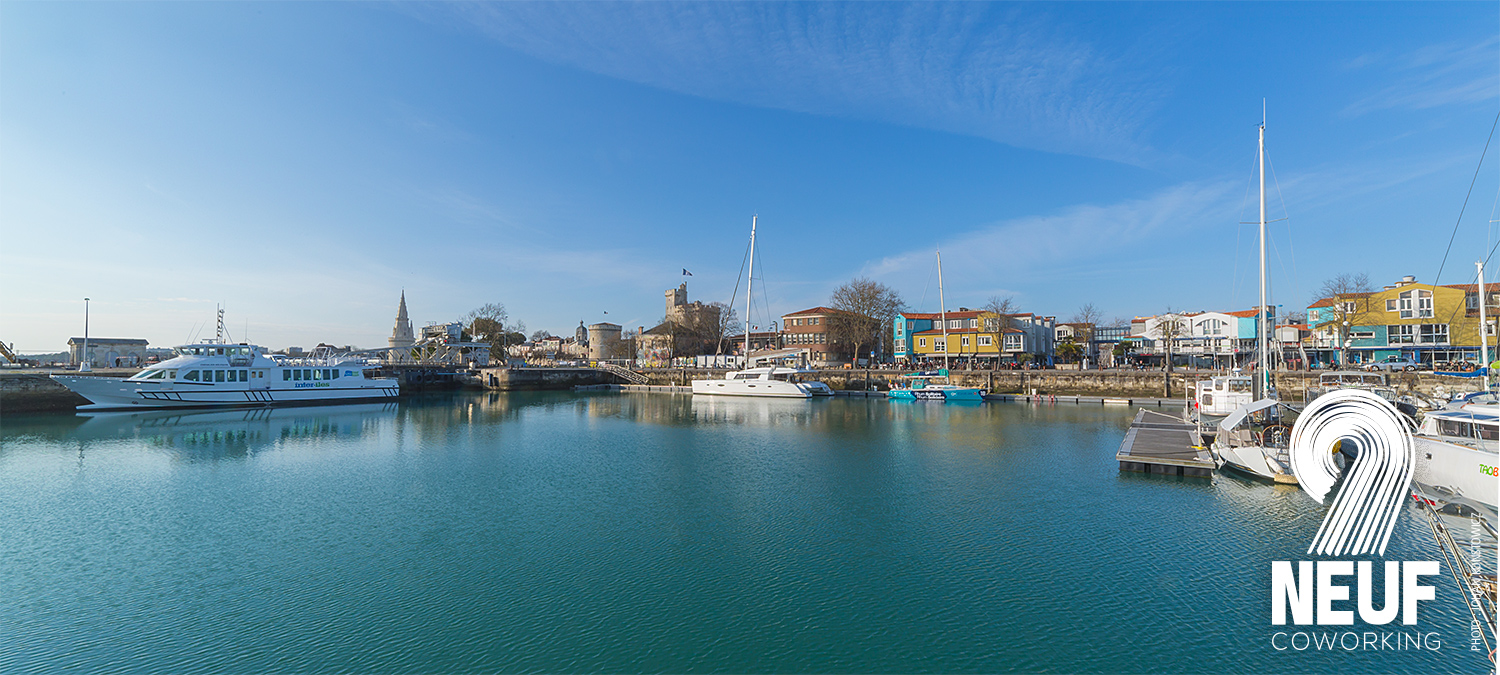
(1164,444)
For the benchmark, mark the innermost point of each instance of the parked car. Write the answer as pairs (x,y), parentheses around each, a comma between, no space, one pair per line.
(1394,363)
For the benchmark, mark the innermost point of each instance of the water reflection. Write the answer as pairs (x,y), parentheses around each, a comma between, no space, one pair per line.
(228,434)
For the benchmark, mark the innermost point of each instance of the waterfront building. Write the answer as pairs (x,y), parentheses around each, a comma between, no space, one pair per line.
(452,332)
(1424,322)
(107,352)
(1220,340)
(808,329)
(401,335)
(1080,334)
(654,347)
(976,337)
(1105,340)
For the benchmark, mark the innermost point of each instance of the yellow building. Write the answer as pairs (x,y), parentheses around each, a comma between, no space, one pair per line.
(979,336)
(1430,324)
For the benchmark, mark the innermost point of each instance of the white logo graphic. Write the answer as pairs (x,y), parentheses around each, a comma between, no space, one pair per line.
(1365,510)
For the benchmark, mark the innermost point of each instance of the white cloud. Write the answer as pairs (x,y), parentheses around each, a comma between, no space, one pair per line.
(1004,254)
(966,68)
(1436,75)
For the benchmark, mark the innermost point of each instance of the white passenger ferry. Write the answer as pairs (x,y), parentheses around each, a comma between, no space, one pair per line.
(210,375)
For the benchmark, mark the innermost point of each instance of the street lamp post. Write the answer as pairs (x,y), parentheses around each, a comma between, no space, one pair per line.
(84,365)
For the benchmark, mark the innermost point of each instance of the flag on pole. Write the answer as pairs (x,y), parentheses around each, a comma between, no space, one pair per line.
(686,273)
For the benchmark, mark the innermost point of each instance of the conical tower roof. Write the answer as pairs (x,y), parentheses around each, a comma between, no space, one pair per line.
(401,335)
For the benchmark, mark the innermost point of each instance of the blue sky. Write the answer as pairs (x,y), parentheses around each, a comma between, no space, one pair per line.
(303,163)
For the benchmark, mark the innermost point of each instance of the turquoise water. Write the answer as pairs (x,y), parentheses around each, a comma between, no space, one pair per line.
(566,532)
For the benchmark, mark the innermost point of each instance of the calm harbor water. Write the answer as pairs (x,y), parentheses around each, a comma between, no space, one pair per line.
(565,532)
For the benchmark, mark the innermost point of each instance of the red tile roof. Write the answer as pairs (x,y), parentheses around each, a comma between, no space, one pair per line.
(972,314)
(1470,288)
(815,310)
(1328,302)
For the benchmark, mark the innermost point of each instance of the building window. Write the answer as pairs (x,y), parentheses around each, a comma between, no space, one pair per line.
(940,346)
(921,342)
(973,323)
(900,344)
(1433,334)
(1401,334)
(1390,305)
(1415,304)
(964,341)
(1013,342)
(986,341)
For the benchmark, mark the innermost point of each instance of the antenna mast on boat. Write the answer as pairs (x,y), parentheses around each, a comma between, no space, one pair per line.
(749,286)
(942,309)
(1263,314)
(219,332)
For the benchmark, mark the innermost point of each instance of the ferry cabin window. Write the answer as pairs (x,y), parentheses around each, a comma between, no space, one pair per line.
(317,374)
(192,376)
(172,374)
(328,374)
(1239,385)
(286,375)
(218,376)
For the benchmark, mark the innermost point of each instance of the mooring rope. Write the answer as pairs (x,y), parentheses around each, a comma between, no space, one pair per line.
(1365,510)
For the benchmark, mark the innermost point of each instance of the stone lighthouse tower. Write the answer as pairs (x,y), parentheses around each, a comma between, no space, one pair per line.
(401,336)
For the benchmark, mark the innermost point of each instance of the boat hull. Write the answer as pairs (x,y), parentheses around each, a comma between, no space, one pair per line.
(1456,469)
(760,388)
(936,394)
(112,393)
(1252,461)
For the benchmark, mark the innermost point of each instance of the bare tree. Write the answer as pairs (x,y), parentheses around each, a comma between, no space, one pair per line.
(540,334)
(1088,314)
(728,327)
(1170,326)
(1349,295)
(864,309)
(491,324)
(1004,306)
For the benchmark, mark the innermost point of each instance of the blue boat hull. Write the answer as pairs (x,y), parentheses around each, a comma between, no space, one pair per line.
(930,394)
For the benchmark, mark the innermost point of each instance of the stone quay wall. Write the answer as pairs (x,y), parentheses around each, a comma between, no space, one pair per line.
(34,392)
(533,379)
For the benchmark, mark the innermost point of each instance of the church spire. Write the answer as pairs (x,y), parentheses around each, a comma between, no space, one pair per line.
(401,335)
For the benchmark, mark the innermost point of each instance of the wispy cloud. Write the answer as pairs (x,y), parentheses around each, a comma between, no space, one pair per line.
(1018,248)
(966,68)
(1436,75)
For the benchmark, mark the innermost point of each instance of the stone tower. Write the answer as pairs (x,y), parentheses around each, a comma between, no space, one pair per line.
(581,336)
(401,335)
(676,300)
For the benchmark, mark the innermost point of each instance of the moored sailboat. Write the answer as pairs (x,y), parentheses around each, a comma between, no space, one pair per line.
(1255,438)
(921,386)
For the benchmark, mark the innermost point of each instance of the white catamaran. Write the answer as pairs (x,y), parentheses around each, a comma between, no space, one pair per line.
(770,382)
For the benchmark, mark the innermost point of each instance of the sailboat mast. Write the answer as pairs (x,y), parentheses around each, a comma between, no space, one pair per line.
(942,308)
(1484,337)
(1262,315)
(749,290)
